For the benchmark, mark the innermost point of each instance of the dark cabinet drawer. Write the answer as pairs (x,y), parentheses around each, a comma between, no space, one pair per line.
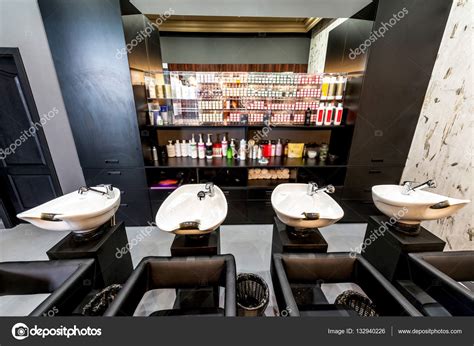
(134,208)
(234,194)
(155,205)
(160,195)
(378,147)
(259,194)
(123,178)
(359,180)
(260,212)
(236,212)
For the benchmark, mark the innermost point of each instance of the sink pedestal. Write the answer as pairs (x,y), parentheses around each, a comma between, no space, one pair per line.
(206,245)
(109,249)
(386,248)
(286,239)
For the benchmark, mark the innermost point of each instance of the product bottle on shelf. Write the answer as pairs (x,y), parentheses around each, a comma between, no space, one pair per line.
(338,115)
(224,145)
(201,148)
(170,149)
(325,88)
(184,148)
(328,114)
(278,148)
(154,153)
(320,114)
(255,151)
(285,148)
(242,150)
(259,152)
(332,88)
(307,117)
(193,148)
(340,87)
(217,147)
(230,149)
(177,148)
(209,147)
(273,148)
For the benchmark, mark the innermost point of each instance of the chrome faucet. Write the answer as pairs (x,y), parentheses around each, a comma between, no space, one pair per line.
(210,190)
(109,190)
(408,186)
(313,188)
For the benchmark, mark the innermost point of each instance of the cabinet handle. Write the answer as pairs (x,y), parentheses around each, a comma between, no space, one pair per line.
(376,160)
(375,171)
(114,173)
(268,192)
(112,161)
(268,203)
(124,205)
(226,192)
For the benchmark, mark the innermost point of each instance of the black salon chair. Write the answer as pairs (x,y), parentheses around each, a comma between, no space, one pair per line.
(440,283)
(191,274)
(298,278)
(67,281)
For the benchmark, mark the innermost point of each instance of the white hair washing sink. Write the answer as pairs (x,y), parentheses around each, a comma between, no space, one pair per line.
(412,205)
(80,211)
(305,206)
(193,209)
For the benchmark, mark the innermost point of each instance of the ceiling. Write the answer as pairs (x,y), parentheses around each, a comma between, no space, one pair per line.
(227,24)
(254,8)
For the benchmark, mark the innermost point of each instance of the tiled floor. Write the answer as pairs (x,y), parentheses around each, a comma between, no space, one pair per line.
(250,245)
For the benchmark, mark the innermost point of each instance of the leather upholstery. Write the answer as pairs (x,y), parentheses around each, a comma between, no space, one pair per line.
(177,272)
(68,281)
(333,268)
(438,274)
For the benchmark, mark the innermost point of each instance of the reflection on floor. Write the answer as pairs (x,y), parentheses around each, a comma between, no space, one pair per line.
(250,245)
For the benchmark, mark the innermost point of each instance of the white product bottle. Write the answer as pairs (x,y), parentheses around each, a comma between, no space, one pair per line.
(194,151)
(328,115)
(201,148)
(177,148)
(338,114)
(320,114)
(189,148)
(242,148)
(170,149)
(209,147)
(224,146)
(154,153)
(279,148)
(184,148)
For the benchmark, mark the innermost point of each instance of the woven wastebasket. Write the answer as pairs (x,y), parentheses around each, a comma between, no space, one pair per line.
(252,295)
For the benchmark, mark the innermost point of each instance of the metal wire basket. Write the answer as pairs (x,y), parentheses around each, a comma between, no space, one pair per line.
(252,295)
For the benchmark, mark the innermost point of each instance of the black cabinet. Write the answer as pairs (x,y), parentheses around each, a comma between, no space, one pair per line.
(360,179)
(86,39)
(391,95)
(89,50)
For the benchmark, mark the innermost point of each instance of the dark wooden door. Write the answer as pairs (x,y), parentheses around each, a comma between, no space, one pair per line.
(27,175)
